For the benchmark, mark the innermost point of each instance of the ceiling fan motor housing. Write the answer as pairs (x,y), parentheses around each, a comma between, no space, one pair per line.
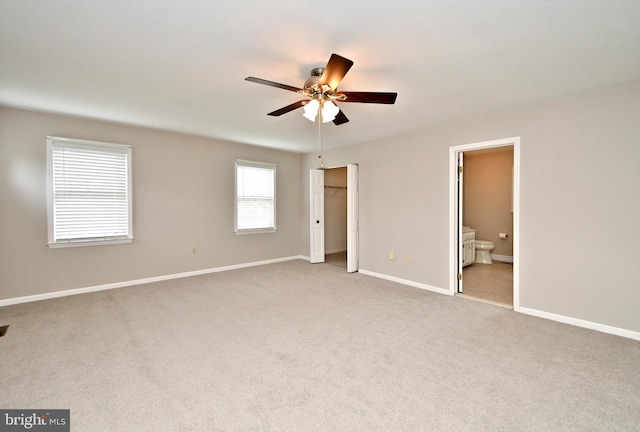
(314,79)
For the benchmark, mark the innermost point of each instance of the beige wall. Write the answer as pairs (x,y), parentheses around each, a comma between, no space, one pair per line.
(183,197)
(580,173)
(487,196)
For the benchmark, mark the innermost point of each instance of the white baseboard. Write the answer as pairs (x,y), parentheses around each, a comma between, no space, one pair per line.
(65,293)
(327,252)
(582,323)
(502,258)
(405,282)
(630,334)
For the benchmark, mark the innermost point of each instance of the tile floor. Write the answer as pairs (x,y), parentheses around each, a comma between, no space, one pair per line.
(492,282)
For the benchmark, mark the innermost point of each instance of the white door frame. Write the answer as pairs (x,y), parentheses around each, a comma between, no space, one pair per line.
(454,227)
(459,213)
(353,219)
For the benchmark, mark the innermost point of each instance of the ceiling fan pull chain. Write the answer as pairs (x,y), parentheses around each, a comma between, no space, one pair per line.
(320,156)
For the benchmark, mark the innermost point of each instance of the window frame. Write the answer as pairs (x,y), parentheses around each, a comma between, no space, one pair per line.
(263,165)
(52,242)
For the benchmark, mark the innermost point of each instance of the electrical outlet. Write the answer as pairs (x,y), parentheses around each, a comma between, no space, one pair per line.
(407,258)
(391,256)
(194,251)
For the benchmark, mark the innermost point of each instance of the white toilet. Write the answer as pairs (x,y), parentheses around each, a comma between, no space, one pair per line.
(483,250)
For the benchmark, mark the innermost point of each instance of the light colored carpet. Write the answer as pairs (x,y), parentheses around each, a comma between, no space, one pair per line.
(300,347)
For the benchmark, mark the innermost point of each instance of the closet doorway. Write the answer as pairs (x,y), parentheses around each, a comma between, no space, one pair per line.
(334,216)
(335,211)
(484,207)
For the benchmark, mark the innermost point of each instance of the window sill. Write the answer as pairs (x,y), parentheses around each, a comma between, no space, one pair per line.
(256,231)
(96,242)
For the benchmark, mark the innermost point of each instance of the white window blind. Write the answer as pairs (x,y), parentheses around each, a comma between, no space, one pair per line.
(255,197)
(89,192)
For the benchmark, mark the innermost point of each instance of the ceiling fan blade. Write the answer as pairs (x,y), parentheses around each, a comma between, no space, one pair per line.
(272,84)
(370,97)
(340,118)
(336,69)
(288,108)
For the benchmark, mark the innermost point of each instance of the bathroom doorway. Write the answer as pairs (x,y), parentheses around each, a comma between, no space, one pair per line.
(484,223)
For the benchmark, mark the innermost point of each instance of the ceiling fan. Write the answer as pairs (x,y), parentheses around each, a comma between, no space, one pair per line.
(321,90)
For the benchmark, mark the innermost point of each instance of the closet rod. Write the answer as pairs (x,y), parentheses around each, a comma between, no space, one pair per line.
(335,187)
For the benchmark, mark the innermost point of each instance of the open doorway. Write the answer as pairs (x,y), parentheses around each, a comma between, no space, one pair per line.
(487,223)
(335,221)
(334,216)
(484,221)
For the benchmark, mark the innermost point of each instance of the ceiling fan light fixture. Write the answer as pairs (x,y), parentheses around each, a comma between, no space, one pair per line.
(311,109)
(329,111)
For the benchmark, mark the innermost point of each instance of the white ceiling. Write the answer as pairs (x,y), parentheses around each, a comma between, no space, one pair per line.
(180,65)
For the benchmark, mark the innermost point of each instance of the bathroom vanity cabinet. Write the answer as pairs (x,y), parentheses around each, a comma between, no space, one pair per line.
(468,246)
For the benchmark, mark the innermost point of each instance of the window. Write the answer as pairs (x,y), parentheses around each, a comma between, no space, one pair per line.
(89,192)
(255,197)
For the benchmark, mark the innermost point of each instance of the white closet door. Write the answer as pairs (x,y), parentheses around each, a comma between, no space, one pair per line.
(352,218)
(316,212)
